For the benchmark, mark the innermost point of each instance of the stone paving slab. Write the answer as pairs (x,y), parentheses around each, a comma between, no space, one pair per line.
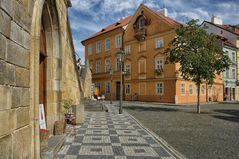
(109,135)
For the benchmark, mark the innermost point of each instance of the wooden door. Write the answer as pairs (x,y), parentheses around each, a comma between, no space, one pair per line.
(118,90)
(42,69)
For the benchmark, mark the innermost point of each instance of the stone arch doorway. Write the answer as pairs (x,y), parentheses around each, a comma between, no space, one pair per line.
(42,69)
(45,64)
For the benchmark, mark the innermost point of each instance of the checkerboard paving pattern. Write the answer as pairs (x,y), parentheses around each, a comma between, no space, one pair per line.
(109,135)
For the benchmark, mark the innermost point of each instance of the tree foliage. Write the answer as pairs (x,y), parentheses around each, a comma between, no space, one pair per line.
(199,54)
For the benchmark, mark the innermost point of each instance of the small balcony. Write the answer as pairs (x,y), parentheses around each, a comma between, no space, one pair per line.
(140,34)
(159,71)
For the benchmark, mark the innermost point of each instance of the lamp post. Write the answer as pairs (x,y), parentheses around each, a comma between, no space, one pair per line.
(122,54)
(111,78)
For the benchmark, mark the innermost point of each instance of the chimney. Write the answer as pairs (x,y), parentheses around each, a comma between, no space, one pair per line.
(164,11)
(216,20)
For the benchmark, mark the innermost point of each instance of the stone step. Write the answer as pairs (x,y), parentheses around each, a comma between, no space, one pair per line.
(54,144)
(95,107)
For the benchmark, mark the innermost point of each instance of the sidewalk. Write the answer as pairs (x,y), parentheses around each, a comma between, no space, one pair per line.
(114,136)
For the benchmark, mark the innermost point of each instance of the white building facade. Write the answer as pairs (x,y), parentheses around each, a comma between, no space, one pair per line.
(231,33)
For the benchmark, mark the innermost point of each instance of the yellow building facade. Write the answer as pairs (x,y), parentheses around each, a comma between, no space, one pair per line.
(144,37)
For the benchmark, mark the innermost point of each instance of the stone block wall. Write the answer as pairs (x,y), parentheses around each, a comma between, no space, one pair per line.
(15,129)
(19,76)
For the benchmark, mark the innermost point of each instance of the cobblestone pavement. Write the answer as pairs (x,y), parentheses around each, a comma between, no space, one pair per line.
(109,135)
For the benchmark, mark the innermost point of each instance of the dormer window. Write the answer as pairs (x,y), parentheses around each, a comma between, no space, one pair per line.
(117,23)
(140,26)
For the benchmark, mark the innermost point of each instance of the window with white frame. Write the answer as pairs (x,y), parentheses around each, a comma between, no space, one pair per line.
(190,89)
(159,64)
(117,68)
(107,44)
(227,73)
(233,73)
(127,89)
(107,65)
(127,49)
(196,87)
(98,66)
(98,47)
(203,89)
(107,87)
(98,85)
(209,90)
(89,49)
(214,91)
(182,88)
(159,43)
(159,88)
(233,57)
(118,41)
(221,90)
(91,64)
(127,68)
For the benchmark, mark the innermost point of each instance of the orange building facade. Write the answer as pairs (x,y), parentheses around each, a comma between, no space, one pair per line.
(144,37)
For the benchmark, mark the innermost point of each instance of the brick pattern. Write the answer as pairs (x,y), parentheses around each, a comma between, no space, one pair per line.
(112,136)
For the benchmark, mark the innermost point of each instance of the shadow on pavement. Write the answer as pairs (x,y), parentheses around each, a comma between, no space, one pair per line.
(155,109)
(231,115)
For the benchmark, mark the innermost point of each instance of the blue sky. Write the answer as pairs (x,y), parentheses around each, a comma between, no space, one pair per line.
(90,16)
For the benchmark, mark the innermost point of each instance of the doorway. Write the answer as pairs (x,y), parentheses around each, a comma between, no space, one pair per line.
(42,70)
(117,90)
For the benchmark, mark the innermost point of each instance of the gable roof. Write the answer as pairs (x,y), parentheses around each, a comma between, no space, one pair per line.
(227,27)
(119,24)
(124,22)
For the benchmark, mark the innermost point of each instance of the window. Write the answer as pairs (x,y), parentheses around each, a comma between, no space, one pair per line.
(142,23)
(159,43)
(227,73)
(127,89)
(107,44)
(159,88)
(118,41)
(233,73)
(98,47)
(221,90)
(107,87)
(128,68)
(238,42)
(98,85)
(214,91)
(196,89)
(203,90)
(89,47)
(91,64)
(233,57)
(107,65)
(127,49)
(159,64)
(209,90)
(182,88)
(117,63)
(190,89)
(98,66)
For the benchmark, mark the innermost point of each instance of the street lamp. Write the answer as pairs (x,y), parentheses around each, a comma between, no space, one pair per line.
(122,54)
(111,78)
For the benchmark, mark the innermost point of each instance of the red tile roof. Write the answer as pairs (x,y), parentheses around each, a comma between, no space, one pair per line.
(230,28)
(125,21)
(119,24)
(226,42)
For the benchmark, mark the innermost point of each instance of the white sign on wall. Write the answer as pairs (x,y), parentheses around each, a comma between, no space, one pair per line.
(42,120)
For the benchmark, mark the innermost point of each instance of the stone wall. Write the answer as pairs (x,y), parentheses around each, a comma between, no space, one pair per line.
(20,23)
